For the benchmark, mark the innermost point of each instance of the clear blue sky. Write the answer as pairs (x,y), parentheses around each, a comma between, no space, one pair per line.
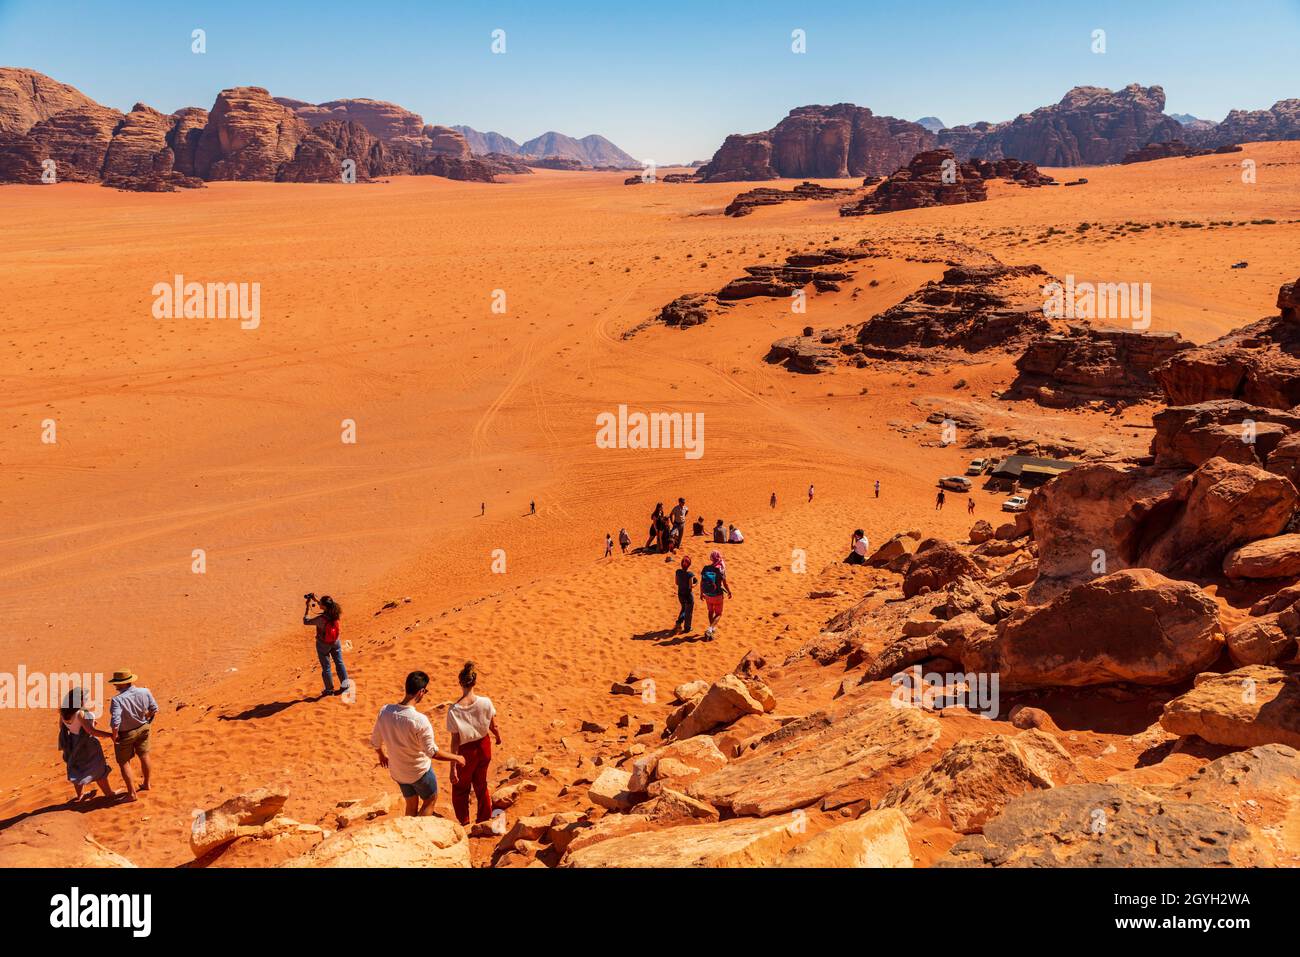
(665,81)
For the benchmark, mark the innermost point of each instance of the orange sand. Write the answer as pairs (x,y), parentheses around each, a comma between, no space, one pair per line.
(184,434)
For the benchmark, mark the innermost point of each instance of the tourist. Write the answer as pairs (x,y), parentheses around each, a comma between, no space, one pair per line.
(624,540)
(858,548)
(469,721)
(532,507)
(938,501)
(719,533)
(328,646)
(131,714)
(698,528)
(655,518)
(877,488)
(83,755)
(970,505)
(679,513)
(810,494)
(685,597)
(772,502)
(713,586)
(734,536)
(411,750)
(609,545)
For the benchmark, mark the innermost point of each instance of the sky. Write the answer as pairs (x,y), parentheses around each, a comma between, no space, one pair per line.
(666,82)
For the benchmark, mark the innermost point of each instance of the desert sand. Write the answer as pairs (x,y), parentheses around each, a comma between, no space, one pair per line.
(175,435)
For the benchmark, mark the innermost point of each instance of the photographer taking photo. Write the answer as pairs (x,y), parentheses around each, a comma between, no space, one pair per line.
(328,645)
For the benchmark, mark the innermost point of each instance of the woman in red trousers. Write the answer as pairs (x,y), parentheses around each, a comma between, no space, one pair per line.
(469,722)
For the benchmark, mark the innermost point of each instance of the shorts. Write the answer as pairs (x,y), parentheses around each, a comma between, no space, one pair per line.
(714,604)
(131,743)
(426,787)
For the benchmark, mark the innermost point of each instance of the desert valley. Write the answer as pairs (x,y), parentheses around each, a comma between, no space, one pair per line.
(853,306)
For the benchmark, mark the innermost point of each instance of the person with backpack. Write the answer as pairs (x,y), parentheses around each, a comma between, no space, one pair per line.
(685,597)
(328,646)
(713,586)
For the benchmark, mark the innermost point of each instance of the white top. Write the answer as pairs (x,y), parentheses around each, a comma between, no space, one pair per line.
(471,721)
(736,536)
(80,721)
(407,737)
(861,546)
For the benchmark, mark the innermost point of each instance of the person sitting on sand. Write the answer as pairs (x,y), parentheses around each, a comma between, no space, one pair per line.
(328,646)
(685,597)
(698,528)
(719,533)
(733,535)
(403,740)
(131,714)
(624,540)
(469,721)
(858,548)
(713,586)
(83,755)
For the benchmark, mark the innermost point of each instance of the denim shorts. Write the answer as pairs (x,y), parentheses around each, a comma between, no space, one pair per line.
(426,787)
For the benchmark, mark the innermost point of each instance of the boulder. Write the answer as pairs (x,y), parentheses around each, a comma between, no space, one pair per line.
(699,753)
(975,779)
(1276,557)
(814,756)
(392,842)
(725,701)
(876,839)
(981,532)
(610,790)
(1265,639)
(1134,625)
(1109,825)
(1254,705)
(735,843)
(249,814)
(939,566)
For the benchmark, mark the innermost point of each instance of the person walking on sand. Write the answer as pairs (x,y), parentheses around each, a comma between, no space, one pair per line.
(772,502)
(685,597)
(713,586)
(609,546)
(877,488)
(970,505)
(403,741)
(624,540)
(328,646)
(83,755)
(131,714)
(482,508)
(810,494)
(532,507)
(469,721)
(938,501)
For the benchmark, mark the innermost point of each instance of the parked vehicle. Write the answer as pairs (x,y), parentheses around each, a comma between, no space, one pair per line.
(955,483)
(1015,503)
(977,466)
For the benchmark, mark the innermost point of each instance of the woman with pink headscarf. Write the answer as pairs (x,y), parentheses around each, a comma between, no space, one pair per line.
(713,586)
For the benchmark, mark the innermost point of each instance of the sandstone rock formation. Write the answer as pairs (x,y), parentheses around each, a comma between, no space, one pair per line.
(745,203)
(827,141)
(27,97)
(1171,148)
(1188,435)
(392,842)
(737,843)
(1088,363)
(249,136)
(1254,705)
(876,839)
(244,815)
(1133,625)
(931,178)
(1090,126)
(77,140)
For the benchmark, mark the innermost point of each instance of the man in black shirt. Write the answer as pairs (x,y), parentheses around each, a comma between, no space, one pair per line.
(685,596)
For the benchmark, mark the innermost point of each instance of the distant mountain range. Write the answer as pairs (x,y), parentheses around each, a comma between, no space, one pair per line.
(931,123)
(593,150)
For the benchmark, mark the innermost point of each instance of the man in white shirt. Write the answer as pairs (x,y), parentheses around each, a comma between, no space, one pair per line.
(408,737)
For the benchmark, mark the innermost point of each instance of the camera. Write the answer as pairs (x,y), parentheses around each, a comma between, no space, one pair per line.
(310,596)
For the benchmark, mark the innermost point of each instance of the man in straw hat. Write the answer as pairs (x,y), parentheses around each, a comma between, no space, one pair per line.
(131,714)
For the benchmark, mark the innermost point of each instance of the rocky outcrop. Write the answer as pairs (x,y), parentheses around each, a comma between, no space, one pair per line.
(1258,363)
(386,122)
(1134,625)
(249,814)
(392,842)
(1088,363)
(931,178)
(1090,126)
(139,155)
(77,140)
(322,152)
(28,97)
(1188,435)
(827,141)
(1110,825)
(249,136)
(1281,121)
(745,203)
(937,566)
(1172,148)
(1255,705)
(970,309)
(876,839)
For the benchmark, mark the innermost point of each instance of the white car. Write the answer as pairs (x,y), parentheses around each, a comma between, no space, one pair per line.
(1015,503)
(955,483)
(977,466)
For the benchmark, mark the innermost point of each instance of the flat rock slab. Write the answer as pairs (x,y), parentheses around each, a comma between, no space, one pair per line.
(392,842)
(1255,705)
(738,843)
